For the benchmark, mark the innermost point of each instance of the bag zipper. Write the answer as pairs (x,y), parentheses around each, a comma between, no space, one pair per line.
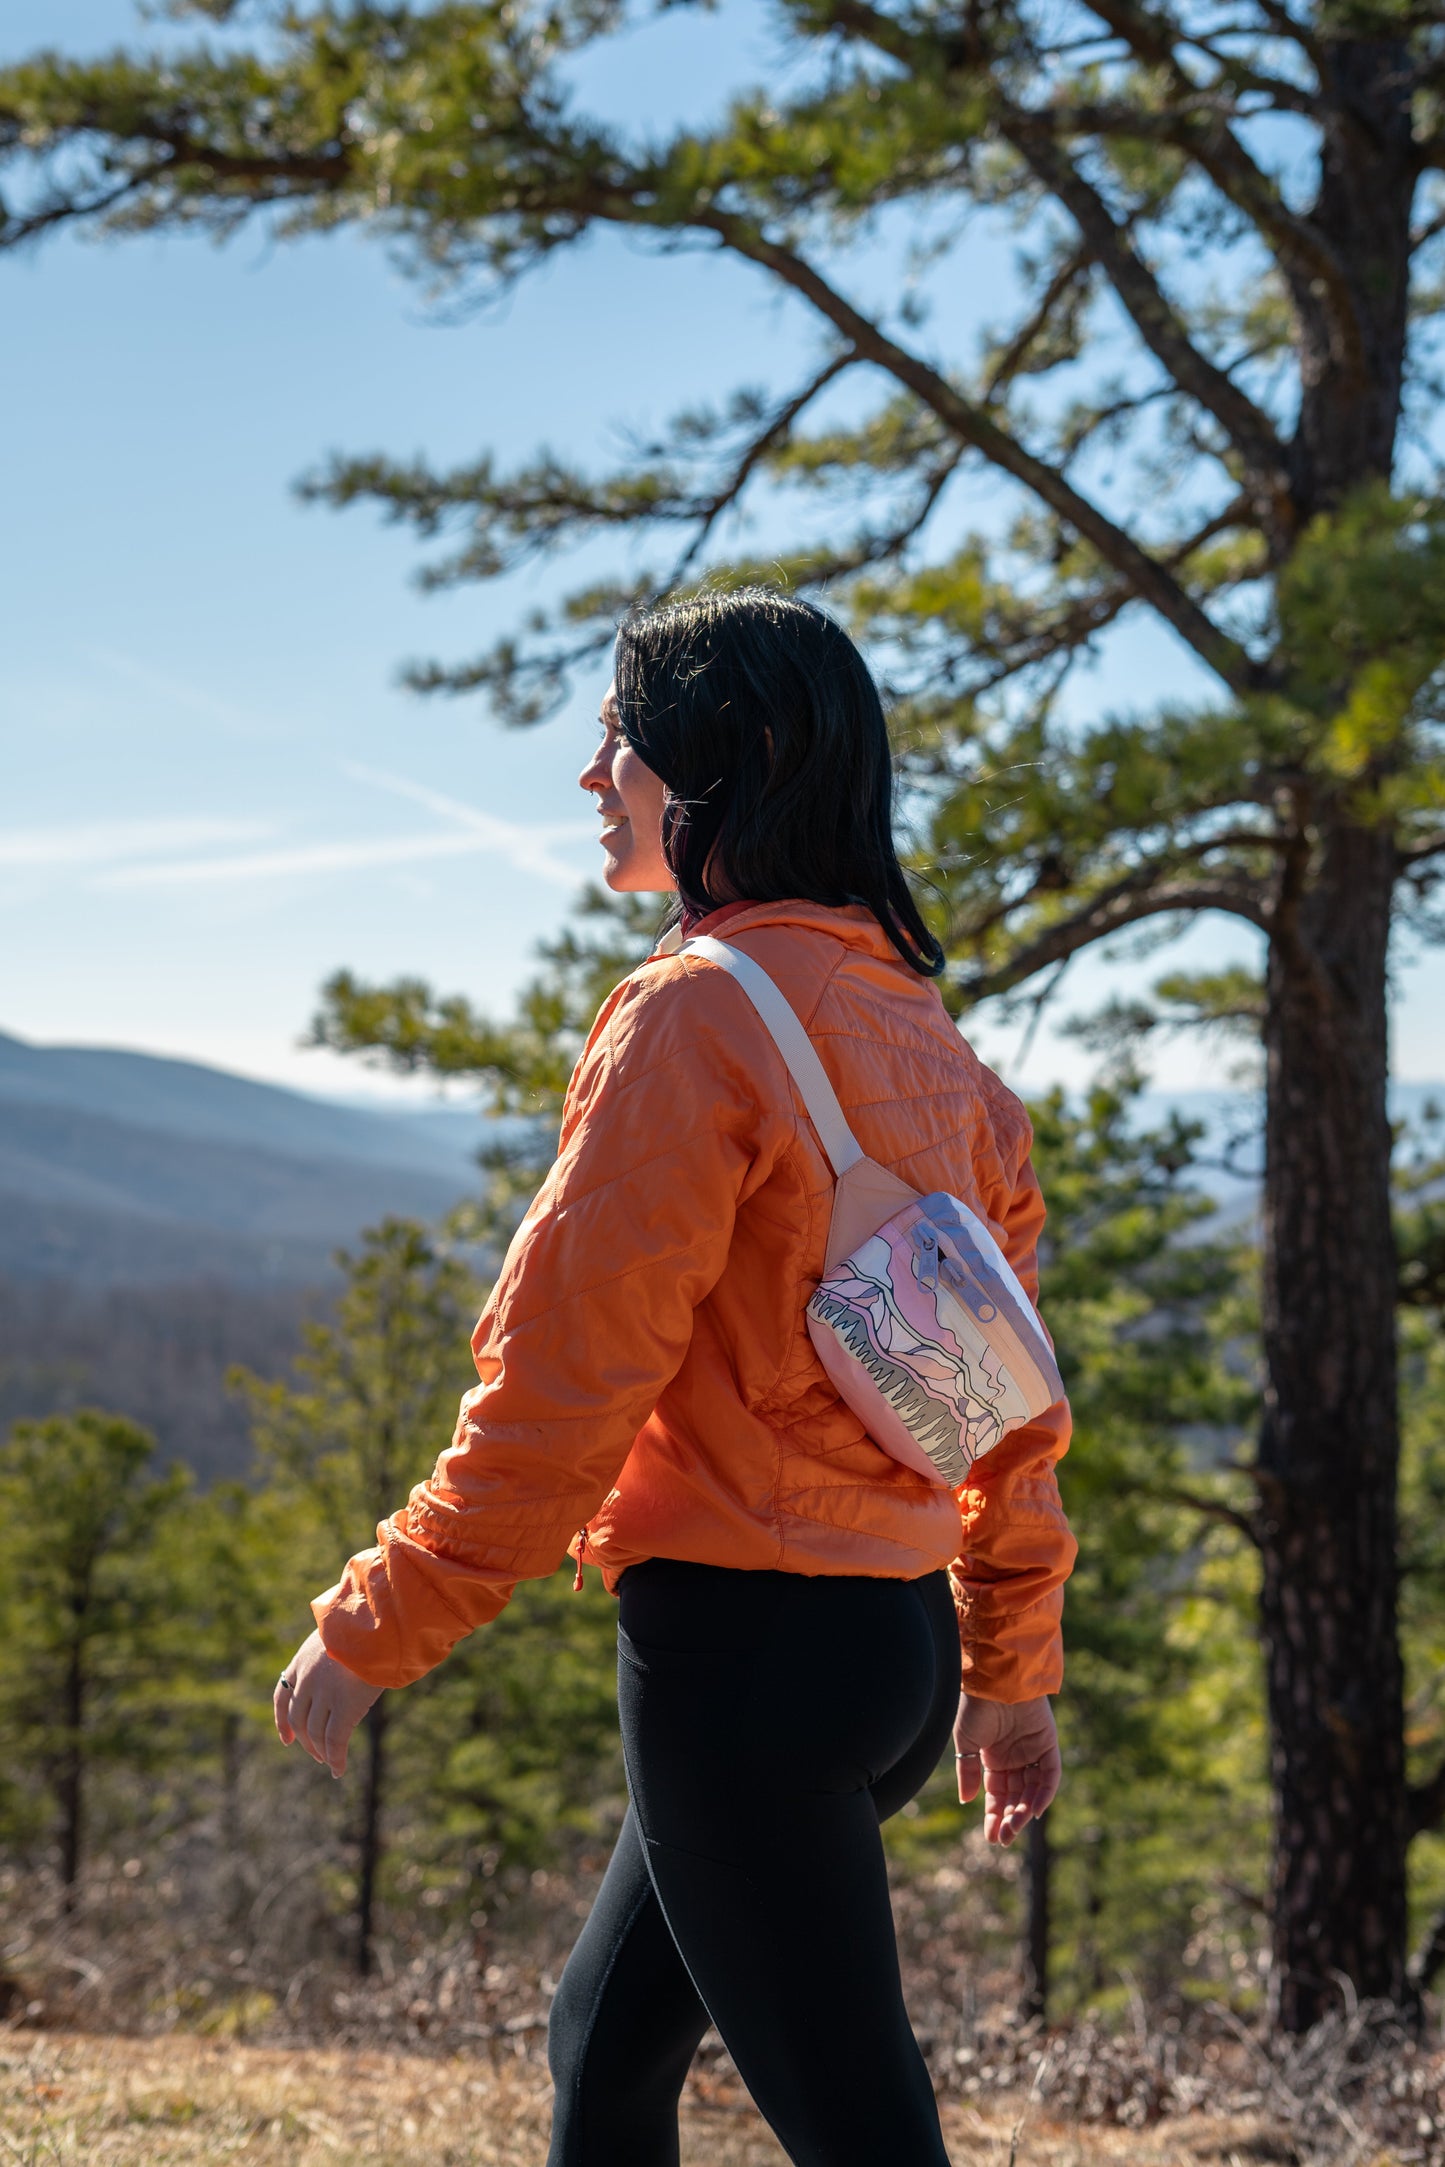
(581,1551)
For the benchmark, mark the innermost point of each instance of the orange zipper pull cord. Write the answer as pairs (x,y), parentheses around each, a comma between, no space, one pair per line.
(581,1548)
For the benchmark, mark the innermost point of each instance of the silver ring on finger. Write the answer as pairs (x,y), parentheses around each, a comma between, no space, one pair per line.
(289,1683)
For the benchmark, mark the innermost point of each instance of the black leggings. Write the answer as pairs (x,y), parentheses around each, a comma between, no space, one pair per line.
(770,1721)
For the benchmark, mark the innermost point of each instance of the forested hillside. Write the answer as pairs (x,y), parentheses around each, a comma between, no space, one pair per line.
(162,1222)
(159,1355)
(120,1169)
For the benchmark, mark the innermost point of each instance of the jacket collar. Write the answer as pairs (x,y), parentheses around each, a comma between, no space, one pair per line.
(852,923)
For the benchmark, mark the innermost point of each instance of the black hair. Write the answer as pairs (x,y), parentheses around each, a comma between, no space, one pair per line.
(761,718)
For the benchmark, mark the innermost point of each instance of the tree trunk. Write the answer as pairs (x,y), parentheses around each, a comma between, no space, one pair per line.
(1329,1441)
(1352,377)
(232,1836)
(371,1805)
(71,1787)
(1329,1445)
(1034,2000)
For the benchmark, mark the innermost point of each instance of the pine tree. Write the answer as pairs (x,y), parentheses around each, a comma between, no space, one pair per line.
(85,1608)
(375,1402)
(1149,1310)
(235,1569)
(505,1755)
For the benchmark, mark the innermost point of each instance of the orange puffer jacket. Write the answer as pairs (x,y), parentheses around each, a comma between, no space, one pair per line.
(648,1386)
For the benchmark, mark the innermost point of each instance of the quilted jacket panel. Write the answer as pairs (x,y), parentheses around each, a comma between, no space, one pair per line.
(646,1372)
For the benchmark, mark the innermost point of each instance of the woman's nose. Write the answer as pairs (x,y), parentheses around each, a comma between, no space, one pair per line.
(596,775)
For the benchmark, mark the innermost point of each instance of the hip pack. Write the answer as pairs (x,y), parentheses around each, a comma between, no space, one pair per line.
(919,1320)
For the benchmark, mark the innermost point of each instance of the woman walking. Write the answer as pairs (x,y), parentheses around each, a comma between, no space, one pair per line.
(804,1616)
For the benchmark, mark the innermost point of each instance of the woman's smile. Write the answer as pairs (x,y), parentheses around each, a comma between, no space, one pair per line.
(631,829)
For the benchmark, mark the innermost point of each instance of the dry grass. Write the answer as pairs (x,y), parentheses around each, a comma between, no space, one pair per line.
(141,2033)
(183,2101)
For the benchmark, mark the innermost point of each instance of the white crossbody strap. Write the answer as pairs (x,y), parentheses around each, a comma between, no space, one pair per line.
(793,1043)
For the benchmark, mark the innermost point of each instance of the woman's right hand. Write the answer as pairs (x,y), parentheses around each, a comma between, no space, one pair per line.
(320,1702)
(1011,1748)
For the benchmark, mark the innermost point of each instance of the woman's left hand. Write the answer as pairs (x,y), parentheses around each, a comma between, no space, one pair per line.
(1012,1750)
(323,1705)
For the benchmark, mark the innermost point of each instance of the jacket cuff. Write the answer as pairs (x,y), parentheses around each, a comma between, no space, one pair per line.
(385,1620)
(1012,1658)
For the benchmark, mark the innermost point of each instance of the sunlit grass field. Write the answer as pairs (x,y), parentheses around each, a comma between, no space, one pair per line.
(182,2101)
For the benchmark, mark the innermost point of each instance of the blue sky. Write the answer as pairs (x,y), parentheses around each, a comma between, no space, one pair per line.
(213,792)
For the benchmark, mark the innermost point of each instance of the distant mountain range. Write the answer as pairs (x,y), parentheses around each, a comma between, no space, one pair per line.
(161,1221)
(124,1169)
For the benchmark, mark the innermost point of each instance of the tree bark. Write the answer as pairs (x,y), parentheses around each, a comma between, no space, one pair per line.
(371,1842)
(1329,1442)
(1329,1445)
(1034,1999)
(1352,375)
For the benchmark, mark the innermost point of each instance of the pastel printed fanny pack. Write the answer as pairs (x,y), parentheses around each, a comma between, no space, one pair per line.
(919,1320)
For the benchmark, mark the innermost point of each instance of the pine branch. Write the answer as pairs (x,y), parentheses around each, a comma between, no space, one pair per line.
(767,440)
(529,686)
(17,232)
(1070,273)
(1062,634)
(1299,248)
(1290,26)
(1149,579)
(1303,254)
(1246,426)
(1037,137)
(1148,893)
(253,179)
(1244,79)
(524,687)
(1213,1508)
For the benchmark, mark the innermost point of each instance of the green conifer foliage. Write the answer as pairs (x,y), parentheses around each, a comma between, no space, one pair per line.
(374,1401)
(85,1606)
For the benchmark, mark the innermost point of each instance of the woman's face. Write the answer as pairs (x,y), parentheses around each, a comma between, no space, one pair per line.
(630,799)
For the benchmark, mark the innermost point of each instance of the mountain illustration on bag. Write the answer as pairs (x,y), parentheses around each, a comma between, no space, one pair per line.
(951,1354)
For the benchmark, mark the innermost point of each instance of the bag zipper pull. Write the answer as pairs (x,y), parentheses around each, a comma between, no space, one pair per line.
(581,1550)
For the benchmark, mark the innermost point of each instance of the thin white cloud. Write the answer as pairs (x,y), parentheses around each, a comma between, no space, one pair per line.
(322,858)
(194,852)
(99,843)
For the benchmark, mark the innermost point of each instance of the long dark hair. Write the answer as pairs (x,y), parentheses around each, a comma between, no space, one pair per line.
(760,716)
